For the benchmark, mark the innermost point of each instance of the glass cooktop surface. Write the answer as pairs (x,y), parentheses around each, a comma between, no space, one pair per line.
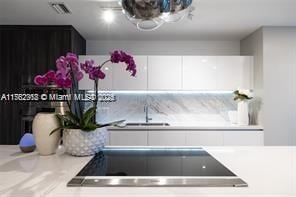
(157,162)
(155,167)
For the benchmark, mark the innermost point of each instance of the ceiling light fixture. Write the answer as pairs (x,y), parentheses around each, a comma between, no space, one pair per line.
(108,16)
(149,15)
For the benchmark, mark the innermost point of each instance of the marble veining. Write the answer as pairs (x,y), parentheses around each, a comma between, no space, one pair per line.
(174,108)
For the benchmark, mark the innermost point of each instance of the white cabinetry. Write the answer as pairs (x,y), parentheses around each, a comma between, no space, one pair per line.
(243,138)
(166,138)
(176,73)
(164,72)
(186,138)
(217,72)
(122,80)
(234,72)
(128,138)
(204,138)
(199,73)
(106,84)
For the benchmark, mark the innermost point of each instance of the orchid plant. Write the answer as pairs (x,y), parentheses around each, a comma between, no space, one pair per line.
(69,72)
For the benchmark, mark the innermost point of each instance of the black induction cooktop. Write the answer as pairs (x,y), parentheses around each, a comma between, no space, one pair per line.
(154,167)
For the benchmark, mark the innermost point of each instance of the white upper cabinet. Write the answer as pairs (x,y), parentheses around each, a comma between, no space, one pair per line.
(234,72)
(105,84)
(217,72)
(199,73)
(164,72)
(176,73)
(122,79)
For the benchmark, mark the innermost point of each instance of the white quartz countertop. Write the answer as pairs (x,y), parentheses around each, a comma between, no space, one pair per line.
(199,127)
(269,172)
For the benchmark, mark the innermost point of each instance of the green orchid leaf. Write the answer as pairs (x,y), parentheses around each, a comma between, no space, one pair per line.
(90,127)
(55,130)
(74,119)
(115,124)
(87,116)
(60,119)
(63,119)
(71,121)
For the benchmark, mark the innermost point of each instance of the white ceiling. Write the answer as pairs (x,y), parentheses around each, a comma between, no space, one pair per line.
(213,19)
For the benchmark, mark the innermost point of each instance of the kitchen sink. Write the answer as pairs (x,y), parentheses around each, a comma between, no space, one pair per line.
(147,124)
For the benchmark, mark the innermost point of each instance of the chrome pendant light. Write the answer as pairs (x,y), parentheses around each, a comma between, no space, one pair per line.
(148,15)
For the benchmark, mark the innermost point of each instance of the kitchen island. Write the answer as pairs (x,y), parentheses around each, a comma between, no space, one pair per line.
(269,172)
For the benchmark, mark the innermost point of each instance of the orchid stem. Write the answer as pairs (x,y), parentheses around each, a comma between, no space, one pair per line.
(105,62)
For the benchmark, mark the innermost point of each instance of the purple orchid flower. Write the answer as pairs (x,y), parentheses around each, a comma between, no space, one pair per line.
(63,81)
(89,64)
(116,57)
(62,77)
(69,72)
(121,56)
(41,80)
(96,73)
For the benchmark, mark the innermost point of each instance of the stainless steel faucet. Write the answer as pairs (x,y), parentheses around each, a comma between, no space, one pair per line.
(147,114)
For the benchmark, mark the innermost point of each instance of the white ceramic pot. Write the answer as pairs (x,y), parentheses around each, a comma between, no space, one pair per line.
(43,124)
(243,113)
(82,143)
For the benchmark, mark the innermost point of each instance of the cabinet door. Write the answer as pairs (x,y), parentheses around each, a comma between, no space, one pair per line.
(243,138)
(122,80)
(199,73)
(230,72)
(164,72)
(204,138)
(105,84)
(128,138)
(248,72)
(166,138)
(234,72)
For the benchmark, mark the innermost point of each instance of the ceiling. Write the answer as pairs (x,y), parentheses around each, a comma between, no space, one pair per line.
(213,19)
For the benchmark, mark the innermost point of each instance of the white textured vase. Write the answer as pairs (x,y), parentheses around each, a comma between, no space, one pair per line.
(43,124)
(81,143)
(243,113)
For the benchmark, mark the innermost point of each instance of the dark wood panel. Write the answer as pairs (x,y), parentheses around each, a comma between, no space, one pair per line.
(24,52)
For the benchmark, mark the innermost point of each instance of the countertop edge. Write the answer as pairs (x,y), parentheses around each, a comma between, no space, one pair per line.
(195,128)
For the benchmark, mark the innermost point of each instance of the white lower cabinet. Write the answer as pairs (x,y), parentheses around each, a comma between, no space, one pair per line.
(204,138)
(167,138)
(185,138)
(243,138)
(128,138)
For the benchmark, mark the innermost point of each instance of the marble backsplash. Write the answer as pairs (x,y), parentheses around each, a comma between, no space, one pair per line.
(173,108)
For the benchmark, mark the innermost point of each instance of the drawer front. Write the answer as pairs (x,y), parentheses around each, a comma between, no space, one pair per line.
(204,138)
(243,138)
(128,138)
(166,138)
